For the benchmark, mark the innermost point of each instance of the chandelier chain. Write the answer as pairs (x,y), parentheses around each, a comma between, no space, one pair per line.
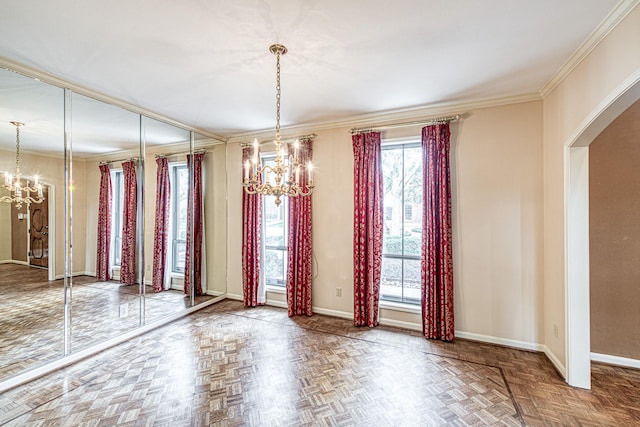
(18,149)
(278,95)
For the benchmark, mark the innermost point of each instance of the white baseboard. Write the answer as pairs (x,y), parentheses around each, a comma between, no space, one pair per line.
(77,273)
(507,342)
(12,261)
(615,360)
(235,297)
(555,361)
(276,303)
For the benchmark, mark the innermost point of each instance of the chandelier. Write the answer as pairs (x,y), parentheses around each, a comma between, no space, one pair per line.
(18,193)
(287,169)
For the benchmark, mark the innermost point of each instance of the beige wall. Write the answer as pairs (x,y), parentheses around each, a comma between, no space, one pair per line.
(497,210)
(614,230)
(567,111)
(5,230)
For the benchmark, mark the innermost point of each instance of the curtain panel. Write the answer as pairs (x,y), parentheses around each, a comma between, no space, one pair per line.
(161,230)
(129,219)
(252,288)
(437,259)
(300,255)
(193,260)
(367,227)
(104,224)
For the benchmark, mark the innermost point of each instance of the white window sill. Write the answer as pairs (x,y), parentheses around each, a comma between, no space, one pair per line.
(177,275)
(397,306)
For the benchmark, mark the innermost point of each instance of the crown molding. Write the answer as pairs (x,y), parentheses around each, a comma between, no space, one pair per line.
(388,117)
(622,9)
(51,79)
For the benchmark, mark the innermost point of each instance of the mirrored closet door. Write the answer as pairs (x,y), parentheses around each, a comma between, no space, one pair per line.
(31,222)
(107,172)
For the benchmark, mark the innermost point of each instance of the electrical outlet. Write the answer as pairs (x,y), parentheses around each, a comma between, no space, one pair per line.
(555,331)
(338,292)
(148,268)
(123,310)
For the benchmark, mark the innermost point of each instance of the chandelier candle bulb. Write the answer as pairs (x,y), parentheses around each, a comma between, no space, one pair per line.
(310,169)
(246,171)
(40,190)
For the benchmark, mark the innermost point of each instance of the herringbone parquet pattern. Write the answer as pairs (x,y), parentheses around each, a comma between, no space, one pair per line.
(230,366)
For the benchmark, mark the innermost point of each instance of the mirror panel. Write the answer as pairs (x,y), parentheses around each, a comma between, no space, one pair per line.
(108,304)
(31,268)
(163,294)
(33,327)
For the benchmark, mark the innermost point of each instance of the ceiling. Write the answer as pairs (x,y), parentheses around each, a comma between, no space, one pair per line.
(206,63)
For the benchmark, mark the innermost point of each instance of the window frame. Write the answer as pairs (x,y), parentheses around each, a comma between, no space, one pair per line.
(174,169)
(390,300)
(117,178)
(270,283)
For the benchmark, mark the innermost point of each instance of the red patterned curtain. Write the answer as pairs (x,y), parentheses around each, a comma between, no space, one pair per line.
(437,259)
(161,231)
(300,259)
(104,224)
(129,218)
(367,227)
(251,234)
(193,261)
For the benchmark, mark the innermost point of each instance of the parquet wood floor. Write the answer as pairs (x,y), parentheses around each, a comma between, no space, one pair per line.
(32,314)
(231,366)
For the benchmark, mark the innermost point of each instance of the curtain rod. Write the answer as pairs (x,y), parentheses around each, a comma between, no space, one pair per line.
(444,119)
(201,150)
(307,137)
(106,162)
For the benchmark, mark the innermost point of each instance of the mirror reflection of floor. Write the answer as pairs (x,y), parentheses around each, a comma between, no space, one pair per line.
(32,314)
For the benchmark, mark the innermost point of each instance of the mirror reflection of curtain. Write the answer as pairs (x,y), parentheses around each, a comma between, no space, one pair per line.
(161,231)
(193,261)
(104,224)
(252,287)
(129,217)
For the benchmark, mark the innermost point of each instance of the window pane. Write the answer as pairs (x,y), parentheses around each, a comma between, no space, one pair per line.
(274,222)
(392,180)
(391,279)
(274,235)
(412,280)
(275,266)
(118,203)
(412,198)
(402,234)
(180,253)
(182,178)
(179,212)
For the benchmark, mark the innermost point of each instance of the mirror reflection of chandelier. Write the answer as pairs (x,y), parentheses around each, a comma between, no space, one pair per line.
(18,193)
(286,169)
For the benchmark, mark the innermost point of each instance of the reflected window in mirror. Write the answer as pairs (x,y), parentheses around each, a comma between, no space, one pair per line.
(116,227)
(179,177)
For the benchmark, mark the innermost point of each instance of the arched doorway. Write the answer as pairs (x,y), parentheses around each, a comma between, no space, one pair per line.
(578,361)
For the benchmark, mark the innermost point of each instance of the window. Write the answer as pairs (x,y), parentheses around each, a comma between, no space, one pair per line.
(118,201)
(179,177)
(402,235)
(274,236)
